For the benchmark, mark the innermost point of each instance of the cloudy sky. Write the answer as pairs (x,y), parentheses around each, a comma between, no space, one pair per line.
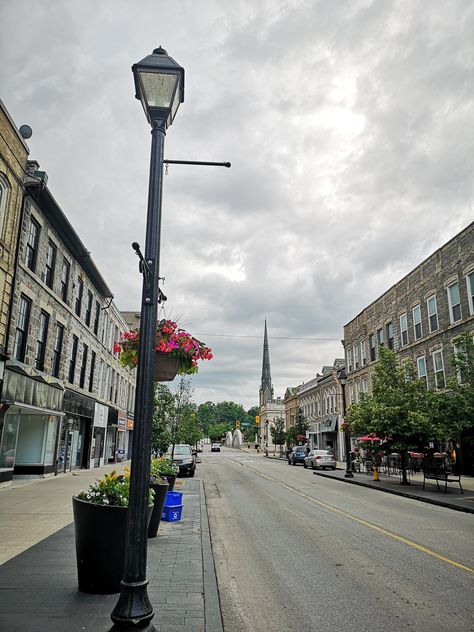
(349,125)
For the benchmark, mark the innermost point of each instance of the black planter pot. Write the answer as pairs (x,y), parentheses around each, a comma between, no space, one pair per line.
(100,546)
(166,367)
(160,490)
(171,481)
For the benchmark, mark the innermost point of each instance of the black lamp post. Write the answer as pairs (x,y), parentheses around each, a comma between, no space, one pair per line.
(159,84)
(342,377)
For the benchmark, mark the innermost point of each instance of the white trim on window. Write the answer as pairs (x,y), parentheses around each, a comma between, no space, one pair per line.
(421,367)
(470,291)
(432,310)
(438,368)
(417,326)
(454,302)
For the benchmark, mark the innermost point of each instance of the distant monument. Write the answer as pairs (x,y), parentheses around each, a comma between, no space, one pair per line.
(237,439)
(228,439)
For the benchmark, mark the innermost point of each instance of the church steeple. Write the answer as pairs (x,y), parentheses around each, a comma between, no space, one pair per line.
(266,388)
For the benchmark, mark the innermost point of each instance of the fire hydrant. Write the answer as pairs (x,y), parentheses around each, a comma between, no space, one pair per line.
(375,476)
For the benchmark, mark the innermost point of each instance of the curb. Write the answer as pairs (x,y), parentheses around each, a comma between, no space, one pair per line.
(212,609)
(396,492)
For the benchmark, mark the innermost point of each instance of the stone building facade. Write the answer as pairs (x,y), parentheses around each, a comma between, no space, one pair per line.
(419,317)
(292,403)
(64,396)
(13,159)
(321,404)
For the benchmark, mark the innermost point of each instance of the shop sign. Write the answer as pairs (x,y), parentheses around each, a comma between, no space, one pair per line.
(100,415)
(122,421)
(329,424)
(130,424)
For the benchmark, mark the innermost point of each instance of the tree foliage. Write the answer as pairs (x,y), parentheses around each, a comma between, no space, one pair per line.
(397,410)
(277,430)
(298,429)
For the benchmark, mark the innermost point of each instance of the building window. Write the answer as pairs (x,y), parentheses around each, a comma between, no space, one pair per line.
(421,365)
(470,292)
(21,333)
(403,330)
(372,347)
(73,360)
(389,330)
(79,293)
(32,244)
(58,349)
(432,313)
(89,308)
(4,190)
(438,367)
(65,273)
(417,330)
(380,337)
(365,385)
(82,377)
(349,359)
(50,264)
(356,357)
(92,370)
(454,302)
(41,341)
(97,317)
(363,354)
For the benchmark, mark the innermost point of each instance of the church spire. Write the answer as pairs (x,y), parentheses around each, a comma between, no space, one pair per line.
(266,388)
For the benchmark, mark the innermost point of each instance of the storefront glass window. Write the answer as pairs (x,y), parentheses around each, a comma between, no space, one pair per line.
(8,433)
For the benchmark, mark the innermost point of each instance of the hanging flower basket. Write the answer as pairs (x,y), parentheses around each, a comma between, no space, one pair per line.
(177,352)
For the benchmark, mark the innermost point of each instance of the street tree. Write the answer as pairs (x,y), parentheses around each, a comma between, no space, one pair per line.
(163,414)
(277,430)
(298,429)
(452,408)
(397,410)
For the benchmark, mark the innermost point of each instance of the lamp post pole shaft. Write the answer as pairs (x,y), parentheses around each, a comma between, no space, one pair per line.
(347,437)
(133,607)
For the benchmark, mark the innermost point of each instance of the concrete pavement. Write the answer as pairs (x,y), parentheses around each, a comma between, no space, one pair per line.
(38,580)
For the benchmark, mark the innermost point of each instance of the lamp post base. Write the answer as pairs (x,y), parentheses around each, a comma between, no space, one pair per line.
(133,610)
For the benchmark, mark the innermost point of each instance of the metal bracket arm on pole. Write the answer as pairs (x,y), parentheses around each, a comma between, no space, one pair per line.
(197,162)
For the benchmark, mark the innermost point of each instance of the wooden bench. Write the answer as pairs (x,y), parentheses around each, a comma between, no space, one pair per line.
(440,472)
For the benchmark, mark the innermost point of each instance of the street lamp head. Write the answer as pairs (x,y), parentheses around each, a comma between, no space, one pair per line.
(159,85)
(341,376)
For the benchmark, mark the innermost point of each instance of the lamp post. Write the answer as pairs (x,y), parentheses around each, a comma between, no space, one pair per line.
(159,84)
(342,378)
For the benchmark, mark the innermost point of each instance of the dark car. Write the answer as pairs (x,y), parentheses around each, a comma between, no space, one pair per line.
(297,455)
(185,458)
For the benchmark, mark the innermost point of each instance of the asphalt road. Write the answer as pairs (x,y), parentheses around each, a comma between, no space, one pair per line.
(294,551)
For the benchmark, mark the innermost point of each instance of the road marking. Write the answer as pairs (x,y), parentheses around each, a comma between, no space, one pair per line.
(370,525)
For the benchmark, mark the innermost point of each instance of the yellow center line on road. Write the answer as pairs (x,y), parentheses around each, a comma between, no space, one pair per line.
(370,525)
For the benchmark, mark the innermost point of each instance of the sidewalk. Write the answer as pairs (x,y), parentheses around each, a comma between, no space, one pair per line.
(38,586)
(453,499)
(391,485)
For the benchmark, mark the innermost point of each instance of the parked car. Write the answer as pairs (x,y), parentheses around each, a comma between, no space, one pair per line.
(320,459)
(216,447)
(185,457)
(297,455)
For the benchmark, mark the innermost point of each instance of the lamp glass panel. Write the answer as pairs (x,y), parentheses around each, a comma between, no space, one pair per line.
(158,88)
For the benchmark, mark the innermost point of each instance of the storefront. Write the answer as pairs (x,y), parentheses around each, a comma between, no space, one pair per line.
(30,414)
(129,438)
(76,432)
(121,443)
(101,413)
(312,433)
(328,433)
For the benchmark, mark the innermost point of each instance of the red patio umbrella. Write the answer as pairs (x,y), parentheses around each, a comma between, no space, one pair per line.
(369,438)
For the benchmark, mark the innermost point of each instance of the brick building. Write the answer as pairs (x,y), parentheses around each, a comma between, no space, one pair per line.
(418,318)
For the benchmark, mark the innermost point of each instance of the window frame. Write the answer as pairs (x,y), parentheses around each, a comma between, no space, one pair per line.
(50,264)
(452,306)
(435,354)
(73,359)
(470,291)
(372,347)
(21,329)
(41,340)
(432,315)
(404,339)
(417,323)
(57,349)
(420,375)
(32,243)
(389,334)
(79,295)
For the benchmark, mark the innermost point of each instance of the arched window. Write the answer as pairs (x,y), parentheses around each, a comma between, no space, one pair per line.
(4,191)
